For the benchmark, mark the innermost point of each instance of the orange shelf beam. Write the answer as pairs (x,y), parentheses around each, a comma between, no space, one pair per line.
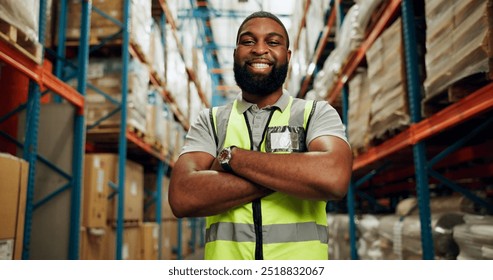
(477,103)
(132,137)
(302,25)
(355,59)
(43,77)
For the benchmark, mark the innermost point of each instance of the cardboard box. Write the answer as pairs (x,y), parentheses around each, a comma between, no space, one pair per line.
(131,245)
(149,241)
(93,243)
(169,239)
(13,188)
(150,187)
(134,190)
(96,189)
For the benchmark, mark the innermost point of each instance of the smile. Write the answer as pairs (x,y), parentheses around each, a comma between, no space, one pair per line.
(259,65)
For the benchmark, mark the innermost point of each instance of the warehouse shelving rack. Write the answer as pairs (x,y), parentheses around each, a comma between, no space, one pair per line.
(137,146)
(129,143)
(475,110)
(41,79)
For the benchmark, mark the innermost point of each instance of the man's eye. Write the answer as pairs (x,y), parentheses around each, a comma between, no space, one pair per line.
(248,42)
(273,43)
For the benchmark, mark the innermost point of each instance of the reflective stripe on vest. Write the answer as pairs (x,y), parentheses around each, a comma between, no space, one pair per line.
(291,228)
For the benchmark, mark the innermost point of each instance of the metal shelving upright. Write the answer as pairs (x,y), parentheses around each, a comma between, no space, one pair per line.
(42,79)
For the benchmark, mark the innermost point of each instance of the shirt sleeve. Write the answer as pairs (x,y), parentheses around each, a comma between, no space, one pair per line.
(325,121)
(200,137)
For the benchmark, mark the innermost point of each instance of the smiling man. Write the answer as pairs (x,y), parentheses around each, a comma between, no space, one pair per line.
(262,168)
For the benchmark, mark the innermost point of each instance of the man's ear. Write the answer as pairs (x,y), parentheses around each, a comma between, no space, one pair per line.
(289,55)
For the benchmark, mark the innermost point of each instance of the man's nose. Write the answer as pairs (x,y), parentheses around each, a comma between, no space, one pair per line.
(260,48)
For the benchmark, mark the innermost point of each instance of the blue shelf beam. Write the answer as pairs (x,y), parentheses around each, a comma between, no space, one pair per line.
(122,144)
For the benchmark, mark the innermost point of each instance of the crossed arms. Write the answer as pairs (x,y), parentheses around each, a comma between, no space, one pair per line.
(200,187)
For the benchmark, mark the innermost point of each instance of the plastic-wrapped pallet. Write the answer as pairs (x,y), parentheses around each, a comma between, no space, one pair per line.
(369,240)
(359,111)
(475,238)
(388,95)
(106,76)
(140,24)
(23,14)
(401,236)
(458,42)
(326,78)
(156,51)
(338,230)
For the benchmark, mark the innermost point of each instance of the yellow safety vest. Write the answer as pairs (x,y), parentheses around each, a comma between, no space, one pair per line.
(278,226)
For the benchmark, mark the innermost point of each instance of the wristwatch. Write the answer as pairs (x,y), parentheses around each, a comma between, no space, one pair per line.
(224,157)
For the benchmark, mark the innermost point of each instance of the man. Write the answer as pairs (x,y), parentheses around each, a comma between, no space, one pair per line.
(261,169)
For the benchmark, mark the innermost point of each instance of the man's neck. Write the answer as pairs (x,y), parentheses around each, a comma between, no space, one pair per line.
(262,101)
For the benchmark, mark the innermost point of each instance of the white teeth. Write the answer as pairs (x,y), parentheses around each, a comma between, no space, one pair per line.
(260,65)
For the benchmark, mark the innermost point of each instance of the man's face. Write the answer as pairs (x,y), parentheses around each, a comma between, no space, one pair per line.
(261,57)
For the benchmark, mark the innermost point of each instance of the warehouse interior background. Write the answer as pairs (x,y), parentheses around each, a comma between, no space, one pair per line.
(97,97)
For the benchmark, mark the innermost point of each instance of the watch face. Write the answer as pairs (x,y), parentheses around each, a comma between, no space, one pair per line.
(224,156)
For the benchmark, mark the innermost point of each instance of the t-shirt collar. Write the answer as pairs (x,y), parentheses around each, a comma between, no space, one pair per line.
(281,103)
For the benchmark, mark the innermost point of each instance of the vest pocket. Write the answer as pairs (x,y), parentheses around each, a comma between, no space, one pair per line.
(285,139)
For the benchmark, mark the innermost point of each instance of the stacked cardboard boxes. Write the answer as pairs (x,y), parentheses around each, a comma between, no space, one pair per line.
(100,208)
(13,188)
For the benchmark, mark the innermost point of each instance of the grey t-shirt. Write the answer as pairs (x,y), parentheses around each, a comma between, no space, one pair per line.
(325,121)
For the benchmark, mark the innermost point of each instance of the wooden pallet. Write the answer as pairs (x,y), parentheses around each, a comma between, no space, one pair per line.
(453,93)
(20,41)
(126,223)
(93,41)
(110,132)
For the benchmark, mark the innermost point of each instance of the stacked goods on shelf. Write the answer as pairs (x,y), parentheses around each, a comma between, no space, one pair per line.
(475,238)
(348,40)
(359,111)
(304,48)
(13,189)
(156,51)
(141,25)
(458,43)
(338,229)
(134,192)
(158,122)
(131,245)
(456,234)
(106,75)
(169,223)
(388,96)
(176,73)
(369,240)
(97,170)
(176,141)
(401,233)
(182,59)
(101,27)
(149,241)
(99,212)
(401,237)
(19,25)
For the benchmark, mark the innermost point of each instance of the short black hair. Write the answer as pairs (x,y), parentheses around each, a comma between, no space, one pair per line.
(263,14)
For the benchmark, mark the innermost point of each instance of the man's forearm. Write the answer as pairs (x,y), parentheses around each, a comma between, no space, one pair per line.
(318,175)
(208,192)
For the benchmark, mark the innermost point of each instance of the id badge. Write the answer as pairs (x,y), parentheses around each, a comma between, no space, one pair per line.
(285,139)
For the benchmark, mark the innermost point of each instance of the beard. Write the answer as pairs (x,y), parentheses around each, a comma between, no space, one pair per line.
(261,85)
